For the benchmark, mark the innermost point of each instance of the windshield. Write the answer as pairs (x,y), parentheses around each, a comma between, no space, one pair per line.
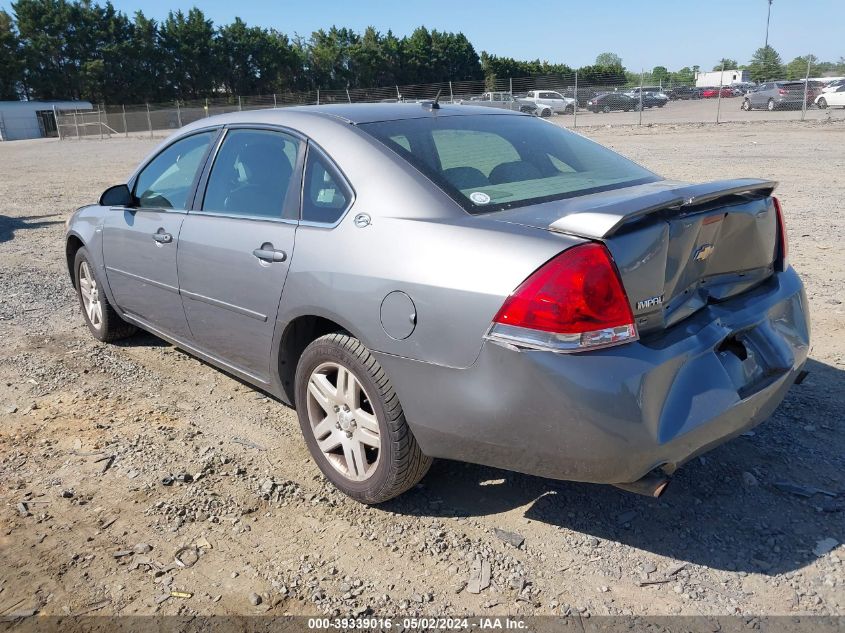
(493,162)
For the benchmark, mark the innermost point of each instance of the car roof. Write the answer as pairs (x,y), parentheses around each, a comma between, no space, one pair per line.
(348,113)
(357,113)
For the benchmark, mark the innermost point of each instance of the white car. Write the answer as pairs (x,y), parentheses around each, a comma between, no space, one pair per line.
(554,100)
(830,99)
(833,86)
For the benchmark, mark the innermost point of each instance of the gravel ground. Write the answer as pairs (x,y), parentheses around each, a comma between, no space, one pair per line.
(122,455)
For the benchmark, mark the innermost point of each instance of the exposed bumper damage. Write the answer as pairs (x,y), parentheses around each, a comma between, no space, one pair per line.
(614,415)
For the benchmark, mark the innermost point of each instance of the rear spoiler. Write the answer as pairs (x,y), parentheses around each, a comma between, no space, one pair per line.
(603,221)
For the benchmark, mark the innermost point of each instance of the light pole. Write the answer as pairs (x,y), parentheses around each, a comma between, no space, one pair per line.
(768,16)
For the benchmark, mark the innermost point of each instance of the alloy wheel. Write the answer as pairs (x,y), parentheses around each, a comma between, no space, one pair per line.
(90,292)
(343,421)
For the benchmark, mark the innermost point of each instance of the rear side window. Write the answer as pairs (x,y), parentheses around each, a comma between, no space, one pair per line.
(167,180)
(492,162)
(252,174)
(325,195)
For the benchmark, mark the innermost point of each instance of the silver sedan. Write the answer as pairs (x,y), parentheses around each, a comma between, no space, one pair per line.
(426,281)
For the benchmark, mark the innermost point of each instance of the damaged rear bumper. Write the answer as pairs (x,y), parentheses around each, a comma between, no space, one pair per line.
(613,415)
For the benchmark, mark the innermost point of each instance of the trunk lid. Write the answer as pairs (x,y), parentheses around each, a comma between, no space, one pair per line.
(677,246)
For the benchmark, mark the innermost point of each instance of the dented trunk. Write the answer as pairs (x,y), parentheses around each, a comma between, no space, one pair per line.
(678,247)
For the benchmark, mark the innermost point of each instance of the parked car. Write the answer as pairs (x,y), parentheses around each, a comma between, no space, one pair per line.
(683,93)
(777,95)
(506,101)
(635,92)
(743,88)
(426,281)
(831,99)
(554,100)
(612,101)
(713,93)
(833,86)
(654,99)
(583,96)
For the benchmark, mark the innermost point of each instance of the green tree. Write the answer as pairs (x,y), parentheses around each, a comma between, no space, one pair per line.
(765,64)
(188,52)
(727,63)
(10,59)
(660,75)
(608,59)
(797,68)
(683,77)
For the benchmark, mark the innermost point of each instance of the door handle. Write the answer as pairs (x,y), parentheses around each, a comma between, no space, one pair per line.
(163,238)
(269,254)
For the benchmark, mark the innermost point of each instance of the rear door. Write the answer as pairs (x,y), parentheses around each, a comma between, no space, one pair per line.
(237,244)
(140,242)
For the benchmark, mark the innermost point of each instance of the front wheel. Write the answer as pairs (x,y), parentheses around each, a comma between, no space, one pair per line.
(353,423)
(746,105)
(569,110)
(606,109)
(100,317)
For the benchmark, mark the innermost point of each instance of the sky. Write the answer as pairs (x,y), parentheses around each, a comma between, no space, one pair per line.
(645,33)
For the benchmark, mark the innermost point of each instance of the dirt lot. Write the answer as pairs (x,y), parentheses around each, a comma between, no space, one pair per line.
(89,431)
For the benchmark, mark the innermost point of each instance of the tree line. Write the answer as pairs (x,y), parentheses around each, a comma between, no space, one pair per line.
(76,49)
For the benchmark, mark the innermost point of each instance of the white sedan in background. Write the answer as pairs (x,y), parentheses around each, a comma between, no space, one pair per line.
(831,99)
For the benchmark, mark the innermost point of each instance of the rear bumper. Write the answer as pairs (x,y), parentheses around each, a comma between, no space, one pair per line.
(612,415)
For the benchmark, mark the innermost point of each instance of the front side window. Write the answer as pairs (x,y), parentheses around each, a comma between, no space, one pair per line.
(493,162)
(325,195)
(252,174)
(167,180)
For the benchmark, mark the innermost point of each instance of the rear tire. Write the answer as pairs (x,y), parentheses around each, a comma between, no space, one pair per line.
(771,105)
(100,317)
(606,109)
(342,426)
(822,103)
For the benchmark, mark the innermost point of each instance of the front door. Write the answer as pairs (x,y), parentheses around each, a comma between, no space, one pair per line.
(235,250)
(140,242)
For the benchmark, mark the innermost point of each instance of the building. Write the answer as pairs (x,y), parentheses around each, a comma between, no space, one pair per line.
(33,119)
(721,78)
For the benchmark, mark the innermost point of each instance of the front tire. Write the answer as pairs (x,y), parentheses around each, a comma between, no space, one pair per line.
(746,105)
(353,423)
(100,317)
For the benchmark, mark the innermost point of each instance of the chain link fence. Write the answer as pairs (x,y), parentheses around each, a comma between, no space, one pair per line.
(572,100)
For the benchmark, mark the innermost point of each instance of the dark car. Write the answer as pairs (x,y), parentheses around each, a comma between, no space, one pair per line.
(612,101)
(583,95)
(654,100)
(683,93)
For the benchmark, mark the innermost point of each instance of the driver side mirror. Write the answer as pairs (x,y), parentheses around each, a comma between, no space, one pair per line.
(117,196)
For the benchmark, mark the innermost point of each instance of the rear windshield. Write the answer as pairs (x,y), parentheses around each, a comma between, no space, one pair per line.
(493,162)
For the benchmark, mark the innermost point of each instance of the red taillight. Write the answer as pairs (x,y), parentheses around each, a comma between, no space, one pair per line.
(783,91)
(575,301)
(783,240)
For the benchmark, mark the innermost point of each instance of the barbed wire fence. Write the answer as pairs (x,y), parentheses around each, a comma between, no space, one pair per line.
(592,100)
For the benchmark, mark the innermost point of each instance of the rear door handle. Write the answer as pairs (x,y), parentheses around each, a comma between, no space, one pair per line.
(163,238)
(269,254)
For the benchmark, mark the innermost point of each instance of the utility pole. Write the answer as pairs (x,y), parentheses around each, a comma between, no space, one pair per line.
(768,17)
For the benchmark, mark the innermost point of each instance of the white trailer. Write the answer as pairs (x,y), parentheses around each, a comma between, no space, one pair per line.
(721,78)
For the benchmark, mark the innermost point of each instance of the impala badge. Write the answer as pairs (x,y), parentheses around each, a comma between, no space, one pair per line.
(704,251)
(650,302)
